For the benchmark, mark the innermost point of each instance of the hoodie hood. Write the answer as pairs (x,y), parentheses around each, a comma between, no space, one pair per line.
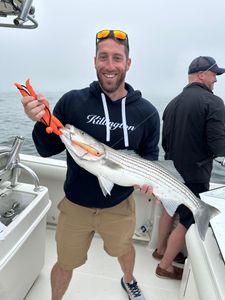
(131,96)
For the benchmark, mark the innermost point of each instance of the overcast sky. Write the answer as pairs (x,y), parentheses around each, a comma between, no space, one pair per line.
(164,35)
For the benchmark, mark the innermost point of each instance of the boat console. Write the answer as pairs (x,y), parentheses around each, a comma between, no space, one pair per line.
(23,210)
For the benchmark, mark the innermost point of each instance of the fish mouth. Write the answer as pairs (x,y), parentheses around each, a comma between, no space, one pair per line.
(68,131)
(75,139)
(68,127)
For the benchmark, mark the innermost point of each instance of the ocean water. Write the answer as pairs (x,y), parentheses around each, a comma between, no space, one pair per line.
(14,122)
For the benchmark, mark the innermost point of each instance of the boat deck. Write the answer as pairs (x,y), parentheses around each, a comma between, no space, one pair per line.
(100,277)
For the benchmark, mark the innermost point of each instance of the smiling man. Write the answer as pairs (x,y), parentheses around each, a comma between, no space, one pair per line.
(114,113)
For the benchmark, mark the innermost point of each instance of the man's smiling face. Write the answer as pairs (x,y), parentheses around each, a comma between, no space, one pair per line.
(112,63)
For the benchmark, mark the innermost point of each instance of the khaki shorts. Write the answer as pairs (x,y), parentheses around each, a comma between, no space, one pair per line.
(77,225)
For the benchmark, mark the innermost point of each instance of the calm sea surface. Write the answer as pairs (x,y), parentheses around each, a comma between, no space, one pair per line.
(13,122)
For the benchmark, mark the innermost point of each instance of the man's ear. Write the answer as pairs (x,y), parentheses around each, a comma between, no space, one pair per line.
(128,64)
(201,75)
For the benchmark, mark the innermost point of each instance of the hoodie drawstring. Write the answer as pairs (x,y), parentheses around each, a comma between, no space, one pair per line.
(123,112)
(125,133)
(106,112)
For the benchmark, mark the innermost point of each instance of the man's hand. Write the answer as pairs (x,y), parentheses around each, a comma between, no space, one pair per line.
(147,190)
(33,108)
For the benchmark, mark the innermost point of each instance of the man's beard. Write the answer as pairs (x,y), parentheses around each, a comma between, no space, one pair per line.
(115,86)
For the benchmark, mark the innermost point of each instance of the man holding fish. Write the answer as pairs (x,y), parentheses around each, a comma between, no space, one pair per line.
(114,113)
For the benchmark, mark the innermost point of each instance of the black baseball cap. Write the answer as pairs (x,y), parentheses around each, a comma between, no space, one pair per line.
(205,63)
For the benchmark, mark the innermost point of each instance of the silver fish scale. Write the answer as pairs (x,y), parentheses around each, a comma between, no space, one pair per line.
(149,170)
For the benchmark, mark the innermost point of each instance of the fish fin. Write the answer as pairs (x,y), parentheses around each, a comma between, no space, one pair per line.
(170,206)
(203,216)
(168,165)
(105,185)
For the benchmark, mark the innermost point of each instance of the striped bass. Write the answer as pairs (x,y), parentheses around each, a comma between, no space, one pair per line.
(116,167)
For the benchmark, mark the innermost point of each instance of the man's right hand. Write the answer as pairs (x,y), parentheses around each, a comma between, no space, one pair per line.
(34,108)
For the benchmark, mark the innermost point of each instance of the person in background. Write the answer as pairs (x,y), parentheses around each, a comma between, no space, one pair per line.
(117,115)
(193,134)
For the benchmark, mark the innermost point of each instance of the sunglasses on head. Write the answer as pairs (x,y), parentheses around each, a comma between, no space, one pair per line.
(115,34)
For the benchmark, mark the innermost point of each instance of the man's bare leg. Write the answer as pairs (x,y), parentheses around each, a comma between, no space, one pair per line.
(127,264)
(175,244)
(165,227)
(60,280)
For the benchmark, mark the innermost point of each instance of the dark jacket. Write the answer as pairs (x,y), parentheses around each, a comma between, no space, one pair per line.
(194,132)
(84,109)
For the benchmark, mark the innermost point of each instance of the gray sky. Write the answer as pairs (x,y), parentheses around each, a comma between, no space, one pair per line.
(165,35)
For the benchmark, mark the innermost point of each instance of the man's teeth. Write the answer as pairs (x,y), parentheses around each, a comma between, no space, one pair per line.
(110,75)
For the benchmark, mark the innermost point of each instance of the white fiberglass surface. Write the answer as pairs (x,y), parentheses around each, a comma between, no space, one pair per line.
(100,277)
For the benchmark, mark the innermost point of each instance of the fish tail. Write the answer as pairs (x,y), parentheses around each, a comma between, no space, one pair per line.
(202,217)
